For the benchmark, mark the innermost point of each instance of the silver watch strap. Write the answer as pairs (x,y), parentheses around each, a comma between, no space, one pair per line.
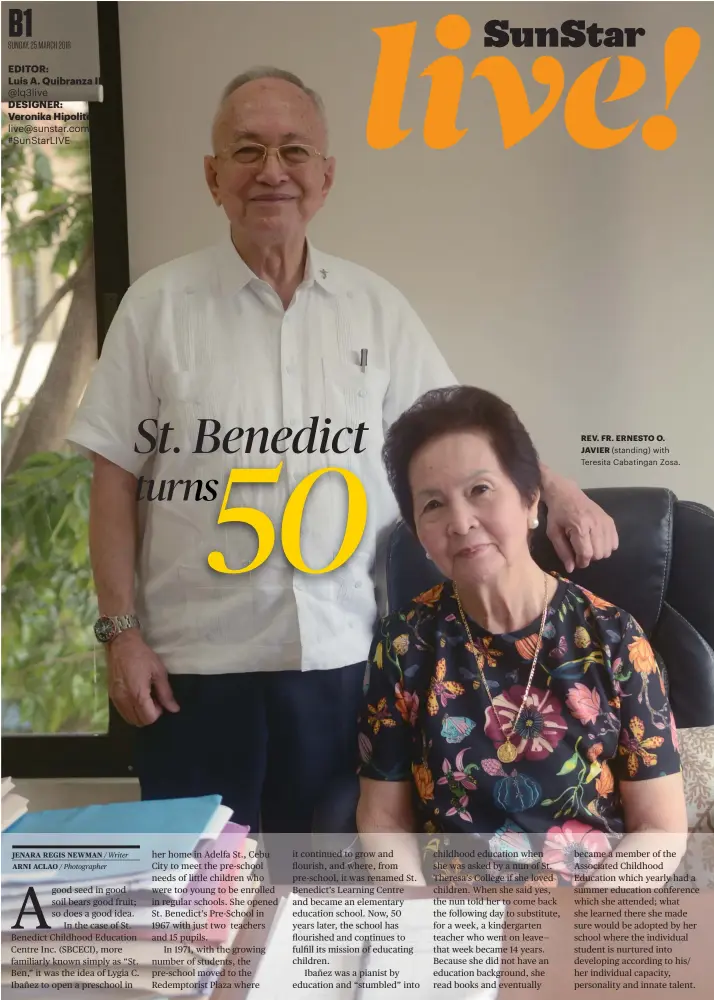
(124,622)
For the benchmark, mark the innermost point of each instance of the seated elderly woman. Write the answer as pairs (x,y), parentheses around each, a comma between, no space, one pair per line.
(507,699)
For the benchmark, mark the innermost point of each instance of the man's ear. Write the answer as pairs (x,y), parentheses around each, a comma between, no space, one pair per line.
(209,170)
(330,167)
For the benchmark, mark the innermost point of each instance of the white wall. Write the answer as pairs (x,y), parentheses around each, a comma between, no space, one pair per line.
(575,283)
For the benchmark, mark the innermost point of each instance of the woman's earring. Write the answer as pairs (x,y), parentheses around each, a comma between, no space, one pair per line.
(534,523)
(428,556)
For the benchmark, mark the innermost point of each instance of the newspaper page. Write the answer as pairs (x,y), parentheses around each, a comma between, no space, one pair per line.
(357,499)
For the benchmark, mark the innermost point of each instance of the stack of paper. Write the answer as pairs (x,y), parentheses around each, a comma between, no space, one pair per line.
(159,888)
(13,805)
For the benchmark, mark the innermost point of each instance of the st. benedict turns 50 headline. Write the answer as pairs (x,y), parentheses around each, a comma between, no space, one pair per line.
(210,437)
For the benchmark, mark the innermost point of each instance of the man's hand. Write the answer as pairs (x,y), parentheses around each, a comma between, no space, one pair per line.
(138,680)
(579,530)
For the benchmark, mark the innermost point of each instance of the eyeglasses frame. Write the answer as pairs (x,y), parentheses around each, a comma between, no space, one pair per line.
(267,150)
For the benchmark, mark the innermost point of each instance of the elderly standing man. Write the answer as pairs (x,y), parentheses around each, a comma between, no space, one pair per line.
(247,684)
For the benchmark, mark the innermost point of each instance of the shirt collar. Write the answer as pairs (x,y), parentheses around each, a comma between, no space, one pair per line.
(234,274)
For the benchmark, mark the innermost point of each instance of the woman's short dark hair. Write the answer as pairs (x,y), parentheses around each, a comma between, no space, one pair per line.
(452,410)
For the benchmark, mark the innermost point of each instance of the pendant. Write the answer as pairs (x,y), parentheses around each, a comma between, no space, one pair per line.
(506,752)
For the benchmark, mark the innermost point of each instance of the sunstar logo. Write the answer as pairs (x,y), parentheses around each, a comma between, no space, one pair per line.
(518,120)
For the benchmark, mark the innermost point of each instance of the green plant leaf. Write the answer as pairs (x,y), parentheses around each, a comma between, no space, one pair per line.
(570,764)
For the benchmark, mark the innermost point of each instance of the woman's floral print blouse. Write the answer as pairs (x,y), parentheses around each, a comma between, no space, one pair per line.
(597,714)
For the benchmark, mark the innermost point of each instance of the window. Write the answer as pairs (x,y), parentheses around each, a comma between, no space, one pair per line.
(65,260)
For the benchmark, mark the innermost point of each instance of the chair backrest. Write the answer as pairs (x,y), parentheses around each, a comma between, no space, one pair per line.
(662,573)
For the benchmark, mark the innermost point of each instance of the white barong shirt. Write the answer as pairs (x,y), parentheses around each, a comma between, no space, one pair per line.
(203,338)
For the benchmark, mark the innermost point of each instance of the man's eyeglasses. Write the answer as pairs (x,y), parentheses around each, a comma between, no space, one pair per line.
(292,154)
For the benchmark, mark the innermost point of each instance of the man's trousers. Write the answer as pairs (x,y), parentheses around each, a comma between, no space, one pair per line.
(269,743)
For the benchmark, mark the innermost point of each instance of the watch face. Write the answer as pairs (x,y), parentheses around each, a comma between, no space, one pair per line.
(105,629)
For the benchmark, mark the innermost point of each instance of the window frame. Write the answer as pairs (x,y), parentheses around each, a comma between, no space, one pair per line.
(103,755)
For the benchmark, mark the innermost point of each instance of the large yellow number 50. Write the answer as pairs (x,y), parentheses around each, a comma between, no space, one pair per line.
(292,519)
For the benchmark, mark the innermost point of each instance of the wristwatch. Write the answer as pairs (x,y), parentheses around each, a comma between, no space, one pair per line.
(107,628)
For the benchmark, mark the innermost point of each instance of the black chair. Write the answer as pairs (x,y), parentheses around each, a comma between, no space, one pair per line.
(662,573)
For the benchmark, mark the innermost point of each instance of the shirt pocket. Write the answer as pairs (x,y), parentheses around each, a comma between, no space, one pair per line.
(186,399)
(353,397)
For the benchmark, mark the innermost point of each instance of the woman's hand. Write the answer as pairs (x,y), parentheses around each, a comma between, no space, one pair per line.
(656,826)
(546,879)
(385,822)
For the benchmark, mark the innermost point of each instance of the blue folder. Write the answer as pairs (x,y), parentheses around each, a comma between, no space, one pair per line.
(188,816)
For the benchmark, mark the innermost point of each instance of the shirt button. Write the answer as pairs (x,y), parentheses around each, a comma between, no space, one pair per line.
(289,369)
(358,584)
(362,393)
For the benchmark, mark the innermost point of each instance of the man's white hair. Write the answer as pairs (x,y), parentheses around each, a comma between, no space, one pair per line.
(268,73)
